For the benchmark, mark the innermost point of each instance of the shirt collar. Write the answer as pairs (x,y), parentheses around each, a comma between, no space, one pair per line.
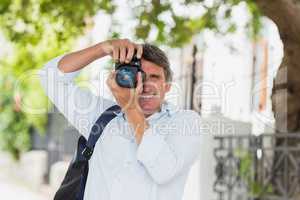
(166,108)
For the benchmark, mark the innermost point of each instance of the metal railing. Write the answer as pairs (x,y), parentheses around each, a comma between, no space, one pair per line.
(258,167)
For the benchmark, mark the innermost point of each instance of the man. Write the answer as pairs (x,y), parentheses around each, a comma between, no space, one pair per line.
(145,153)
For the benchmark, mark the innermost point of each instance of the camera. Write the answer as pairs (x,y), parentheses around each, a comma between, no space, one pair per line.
(126,73)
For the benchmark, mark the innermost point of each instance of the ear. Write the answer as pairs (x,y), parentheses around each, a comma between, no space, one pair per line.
(167,87)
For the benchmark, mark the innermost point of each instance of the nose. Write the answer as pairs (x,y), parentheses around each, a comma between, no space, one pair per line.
(146,87)
(150,87)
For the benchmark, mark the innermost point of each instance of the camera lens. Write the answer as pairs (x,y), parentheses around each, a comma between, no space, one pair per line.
(126,74)
(125,77)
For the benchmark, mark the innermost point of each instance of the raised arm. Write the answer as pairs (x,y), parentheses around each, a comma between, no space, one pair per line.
(77,60)
(79,106)
(118,49)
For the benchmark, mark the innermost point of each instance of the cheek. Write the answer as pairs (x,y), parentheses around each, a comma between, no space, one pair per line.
(163,90)
(160,87)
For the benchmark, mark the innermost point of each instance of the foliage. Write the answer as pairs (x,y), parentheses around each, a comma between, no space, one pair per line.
(37,31)
(180,29)
(247,172)
(14,127)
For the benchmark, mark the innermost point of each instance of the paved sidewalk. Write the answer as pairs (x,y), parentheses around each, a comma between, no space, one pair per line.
(16,191)
(13,187)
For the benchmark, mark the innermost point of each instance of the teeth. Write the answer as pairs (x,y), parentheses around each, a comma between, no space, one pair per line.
(148,96)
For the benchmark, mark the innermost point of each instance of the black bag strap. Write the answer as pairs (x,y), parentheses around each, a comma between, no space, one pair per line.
(98,128)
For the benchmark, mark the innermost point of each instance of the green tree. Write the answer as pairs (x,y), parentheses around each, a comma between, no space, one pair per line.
(37,31)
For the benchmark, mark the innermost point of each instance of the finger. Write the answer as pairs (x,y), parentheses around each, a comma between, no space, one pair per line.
(139,52)
(108,80)
(139,83)
(116,54)
(122,54)
(130,52)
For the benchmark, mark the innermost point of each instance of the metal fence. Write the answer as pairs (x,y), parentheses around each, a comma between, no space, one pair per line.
(258,167)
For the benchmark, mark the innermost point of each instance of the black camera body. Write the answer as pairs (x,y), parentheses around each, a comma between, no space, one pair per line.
(126,73)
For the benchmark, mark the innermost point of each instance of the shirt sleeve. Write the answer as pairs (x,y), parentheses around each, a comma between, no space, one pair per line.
(79,106)
(166,156)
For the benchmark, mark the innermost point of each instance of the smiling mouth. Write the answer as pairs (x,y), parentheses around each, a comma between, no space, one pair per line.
(148,96)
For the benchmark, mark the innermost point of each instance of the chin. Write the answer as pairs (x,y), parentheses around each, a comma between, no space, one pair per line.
(147,113)
(149,107)
(148,110)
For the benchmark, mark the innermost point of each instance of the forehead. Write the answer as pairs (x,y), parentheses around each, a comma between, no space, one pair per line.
(151,68)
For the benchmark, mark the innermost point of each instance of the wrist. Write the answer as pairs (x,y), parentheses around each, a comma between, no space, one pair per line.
(101,49)
(136,118)
(134,113)
(138,122)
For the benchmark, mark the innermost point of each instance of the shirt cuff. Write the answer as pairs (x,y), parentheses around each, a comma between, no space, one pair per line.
(150,147)
(52,67)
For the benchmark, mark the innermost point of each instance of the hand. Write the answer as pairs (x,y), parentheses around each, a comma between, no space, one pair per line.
(121,50)
(127,98)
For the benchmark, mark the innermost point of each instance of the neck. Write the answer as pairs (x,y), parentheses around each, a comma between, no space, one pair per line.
(149,113)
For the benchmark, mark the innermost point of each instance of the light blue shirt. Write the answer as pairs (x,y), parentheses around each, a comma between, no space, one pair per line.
(156,169)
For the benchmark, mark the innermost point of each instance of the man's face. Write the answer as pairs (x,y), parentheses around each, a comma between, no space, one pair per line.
(154,88)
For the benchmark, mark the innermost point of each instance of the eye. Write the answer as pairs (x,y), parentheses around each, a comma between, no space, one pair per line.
(155,76)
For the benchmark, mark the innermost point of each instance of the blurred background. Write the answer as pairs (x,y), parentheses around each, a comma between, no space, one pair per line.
(236,62)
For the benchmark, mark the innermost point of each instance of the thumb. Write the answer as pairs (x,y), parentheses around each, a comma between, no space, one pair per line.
(139,87)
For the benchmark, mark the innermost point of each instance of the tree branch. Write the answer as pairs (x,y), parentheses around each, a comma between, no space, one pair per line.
(285,14)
